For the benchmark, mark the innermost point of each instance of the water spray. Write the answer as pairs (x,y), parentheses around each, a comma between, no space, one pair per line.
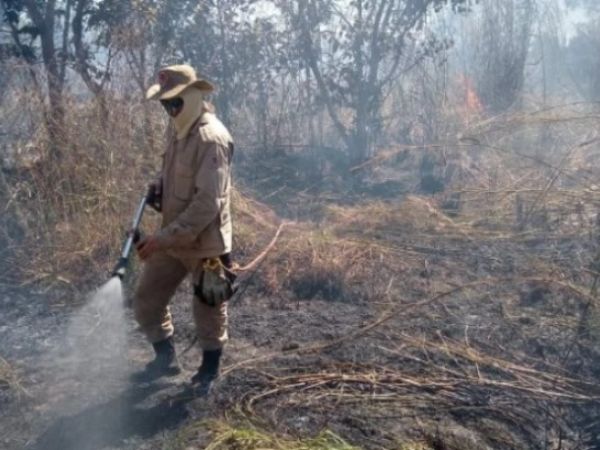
(97,331)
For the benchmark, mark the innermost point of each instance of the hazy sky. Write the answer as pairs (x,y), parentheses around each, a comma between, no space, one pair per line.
(573,17)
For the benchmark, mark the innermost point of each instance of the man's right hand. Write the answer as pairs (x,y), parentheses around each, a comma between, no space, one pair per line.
(155,195)
(147,246)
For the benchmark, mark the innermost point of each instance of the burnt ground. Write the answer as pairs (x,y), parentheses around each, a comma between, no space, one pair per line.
(107,411)
(437,337)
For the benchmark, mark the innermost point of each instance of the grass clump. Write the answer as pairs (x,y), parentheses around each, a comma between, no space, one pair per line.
(225,436)
(9,380)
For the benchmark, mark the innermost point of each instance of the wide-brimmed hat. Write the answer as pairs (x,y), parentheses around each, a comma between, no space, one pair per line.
(173,80)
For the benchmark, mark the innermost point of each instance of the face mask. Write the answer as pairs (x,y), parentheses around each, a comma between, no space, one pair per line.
(186,113)
(172,106)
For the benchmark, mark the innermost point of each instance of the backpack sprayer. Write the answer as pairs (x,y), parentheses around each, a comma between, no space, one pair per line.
(133,236)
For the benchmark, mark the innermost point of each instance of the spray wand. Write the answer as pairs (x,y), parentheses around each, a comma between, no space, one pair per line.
(132,237)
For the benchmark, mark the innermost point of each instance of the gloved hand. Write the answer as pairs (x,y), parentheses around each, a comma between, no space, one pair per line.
(154,197)
(216,286)
(147,246)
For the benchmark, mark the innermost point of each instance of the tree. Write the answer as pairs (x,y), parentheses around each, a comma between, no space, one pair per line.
(57,33)
(232,46)
(92,57)
(502,41)
(30,22)
(582,52)
(356,51)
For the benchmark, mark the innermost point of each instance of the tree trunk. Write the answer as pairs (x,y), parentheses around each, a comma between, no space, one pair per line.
(54,82)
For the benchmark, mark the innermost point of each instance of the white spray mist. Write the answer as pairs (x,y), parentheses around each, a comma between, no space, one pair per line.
(90,359)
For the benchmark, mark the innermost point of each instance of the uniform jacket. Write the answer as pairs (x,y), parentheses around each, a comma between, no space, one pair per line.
(196,191)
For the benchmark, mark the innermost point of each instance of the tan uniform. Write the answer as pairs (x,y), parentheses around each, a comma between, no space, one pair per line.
(196,224)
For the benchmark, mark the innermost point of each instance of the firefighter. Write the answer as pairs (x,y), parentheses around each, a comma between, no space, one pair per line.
(192,193)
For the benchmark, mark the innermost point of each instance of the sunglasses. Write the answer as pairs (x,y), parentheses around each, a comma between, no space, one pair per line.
(172,104)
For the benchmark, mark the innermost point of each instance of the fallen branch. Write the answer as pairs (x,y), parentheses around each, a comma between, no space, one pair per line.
(265,252)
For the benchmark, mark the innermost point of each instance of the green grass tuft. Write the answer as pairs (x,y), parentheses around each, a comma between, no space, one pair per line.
(224,436)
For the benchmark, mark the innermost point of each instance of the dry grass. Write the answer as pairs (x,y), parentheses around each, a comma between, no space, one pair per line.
(10,380)
(488,313)
(68,216)
(70,212)
(487,310)
(422,357)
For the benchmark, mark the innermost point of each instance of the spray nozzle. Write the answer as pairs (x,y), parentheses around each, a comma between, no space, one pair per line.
(119,269)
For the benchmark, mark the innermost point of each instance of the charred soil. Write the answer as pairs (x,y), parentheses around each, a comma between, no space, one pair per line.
(387,325)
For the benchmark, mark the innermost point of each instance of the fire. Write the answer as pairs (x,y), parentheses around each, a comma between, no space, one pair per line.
(471,104)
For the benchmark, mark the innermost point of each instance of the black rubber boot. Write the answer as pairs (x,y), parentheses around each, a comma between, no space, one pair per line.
(207,372)
(164,364)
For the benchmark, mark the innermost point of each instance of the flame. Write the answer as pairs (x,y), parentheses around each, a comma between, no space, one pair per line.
(471,104)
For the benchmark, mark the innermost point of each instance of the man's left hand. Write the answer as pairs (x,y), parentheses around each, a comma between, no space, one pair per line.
(147,246)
